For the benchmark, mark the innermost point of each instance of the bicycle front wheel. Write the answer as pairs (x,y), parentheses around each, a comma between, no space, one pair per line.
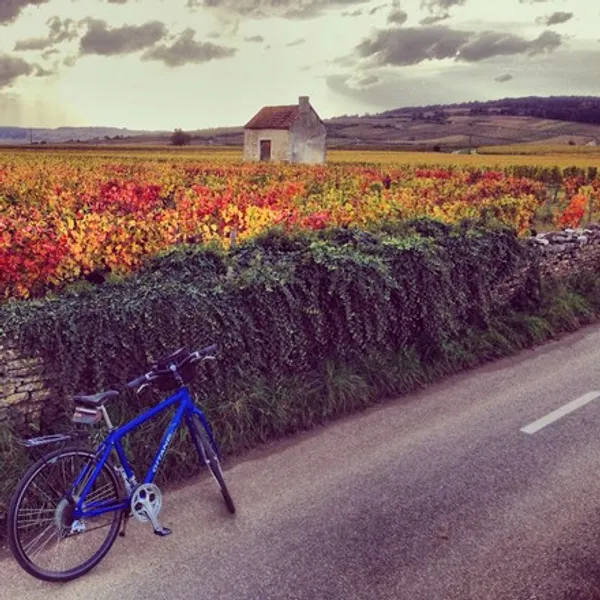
(43,535)
(209,457)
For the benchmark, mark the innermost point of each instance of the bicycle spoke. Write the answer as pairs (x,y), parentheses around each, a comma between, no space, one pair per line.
(35,515)
(37,538)
(59,495)
(43,519)
(103,493)
(43,493)
(31,524)
(48,539)
(35,510)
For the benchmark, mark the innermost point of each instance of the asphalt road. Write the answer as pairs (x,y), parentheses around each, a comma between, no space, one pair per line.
(435,496)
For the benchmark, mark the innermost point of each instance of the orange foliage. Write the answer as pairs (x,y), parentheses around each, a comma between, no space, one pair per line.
(63,216)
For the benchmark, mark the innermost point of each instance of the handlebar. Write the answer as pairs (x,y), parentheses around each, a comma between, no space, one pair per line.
(136,383)
(199,355)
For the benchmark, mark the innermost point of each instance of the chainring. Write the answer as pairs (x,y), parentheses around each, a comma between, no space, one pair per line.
(146,500)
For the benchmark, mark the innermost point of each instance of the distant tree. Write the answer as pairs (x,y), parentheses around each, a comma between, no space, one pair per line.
(180,138)
(437,148)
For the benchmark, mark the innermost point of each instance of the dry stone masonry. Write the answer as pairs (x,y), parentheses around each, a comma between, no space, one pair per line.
(568,252)
(561,253)
(22,384)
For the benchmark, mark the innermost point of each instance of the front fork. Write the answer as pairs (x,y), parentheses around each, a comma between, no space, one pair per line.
(206,424)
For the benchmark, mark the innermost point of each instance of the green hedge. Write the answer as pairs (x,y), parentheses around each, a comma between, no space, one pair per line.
(310,326)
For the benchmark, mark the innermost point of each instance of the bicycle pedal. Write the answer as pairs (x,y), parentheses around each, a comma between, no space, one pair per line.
(163,531)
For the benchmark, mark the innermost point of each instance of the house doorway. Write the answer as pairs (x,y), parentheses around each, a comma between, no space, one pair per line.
(265,149)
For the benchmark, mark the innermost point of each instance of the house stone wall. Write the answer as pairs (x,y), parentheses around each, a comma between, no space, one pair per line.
(309,138)
(280,144)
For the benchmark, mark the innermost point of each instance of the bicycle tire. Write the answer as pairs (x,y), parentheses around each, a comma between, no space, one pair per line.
(16,543)
(208,456)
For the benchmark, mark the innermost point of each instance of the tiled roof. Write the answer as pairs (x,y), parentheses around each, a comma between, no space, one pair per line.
(274,117)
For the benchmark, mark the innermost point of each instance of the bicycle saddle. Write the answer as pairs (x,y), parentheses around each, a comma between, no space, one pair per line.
(96,400)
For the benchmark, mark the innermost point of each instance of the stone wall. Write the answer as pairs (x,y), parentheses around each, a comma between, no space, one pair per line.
(567,252)
(281,150)
(309,138)
(22,385)
(560,253)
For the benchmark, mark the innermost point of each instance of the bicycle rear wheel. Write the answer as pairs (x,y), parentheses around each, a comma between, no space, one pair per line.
(43,535)
(209,457)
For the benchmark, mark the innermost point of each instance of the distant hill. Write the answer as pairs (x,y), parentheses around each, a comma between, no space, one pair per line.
(21,135)
(578,109)
(538,120)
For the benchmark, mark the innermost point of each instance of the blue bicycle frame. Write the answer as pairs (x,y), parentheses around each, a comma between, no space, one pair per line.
(186,410)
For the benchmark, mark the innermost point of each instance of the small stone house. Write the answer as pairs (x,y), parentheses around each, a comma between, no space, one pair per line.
(292,133)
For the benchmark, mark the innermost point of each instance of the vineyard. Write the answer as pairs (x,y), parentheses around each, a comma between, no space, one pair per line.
(65,215)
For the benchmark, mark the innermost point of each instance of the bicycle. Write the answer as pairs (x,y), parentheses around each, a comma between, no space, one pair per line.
(72,491)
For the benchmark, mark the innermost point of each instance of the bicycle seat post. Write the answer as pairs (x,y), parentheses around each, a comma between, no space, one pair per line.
(106,418)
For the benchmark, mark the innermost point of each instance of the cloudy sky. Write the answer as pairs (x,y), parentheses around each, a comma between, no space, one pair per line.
(162,64)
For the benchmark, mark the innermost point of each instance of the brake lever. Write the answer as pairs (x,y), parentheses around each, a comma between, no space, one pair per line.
(197,358)
(144,385)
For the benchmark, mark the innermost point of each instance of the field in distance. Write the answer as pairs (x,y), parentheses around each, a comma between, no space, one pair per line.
(487,157)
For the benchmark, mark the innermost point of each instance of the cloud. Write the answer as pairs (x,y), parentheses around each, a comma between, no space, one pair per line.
(344,61)
(59,31)
(32,44)
(11,69)
(397,17)
(356,13)
(117,1)
(410,46)
(186,50)
(50,52)
(384,94)
(542,75)
(503,78)
(437,6)
(376,9)
(555,18)
(11,9)
(433,19)
(41,72)
(490,43)
(288,9)
(297,42)
(258,39)
(367,80)
(99,39)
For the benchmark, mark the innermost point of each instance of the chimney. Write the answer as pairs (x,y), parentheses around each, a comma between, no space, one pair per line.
(303,103)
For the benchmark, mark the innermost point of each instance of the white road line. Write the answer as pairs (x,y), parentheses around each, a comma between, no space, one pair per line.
(560,412)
